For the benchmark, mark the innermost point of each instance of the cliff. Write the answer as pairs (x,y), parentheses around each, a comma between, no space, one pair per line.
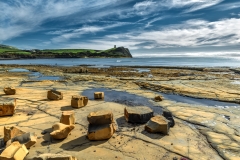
(8,52)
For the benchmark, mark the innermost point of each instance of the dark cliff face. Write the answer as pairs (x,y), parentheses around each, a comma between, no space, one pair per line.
(124,51)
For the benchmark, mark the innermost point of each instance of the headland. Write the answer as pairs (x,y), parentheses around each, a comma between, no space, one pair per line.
(9,52)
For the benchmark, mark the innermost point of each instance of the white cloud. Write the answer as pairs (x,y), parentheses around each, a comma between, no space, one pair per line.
(193,5)
(228,6)
(153,20)
(145,7)
(195,33)
(65,35)
(224,54)
(25,16)
(103,44)
(192,33)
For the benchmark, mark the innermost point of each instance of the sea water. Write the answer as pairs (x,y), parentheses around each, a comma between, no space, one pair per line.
(156,61)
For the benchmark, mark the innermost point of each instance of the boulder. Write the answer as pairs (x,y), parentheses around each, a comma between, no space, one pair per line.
(68,118)
(9,90)
(169,117)
(99,95)
(100,132)
(139,114)
(15,151)
(7,107)
(100,117)
(61,131)
(28,139)
(50,156)
(79,101)
(157,124)
(158,98)
(11,132)
(54,95)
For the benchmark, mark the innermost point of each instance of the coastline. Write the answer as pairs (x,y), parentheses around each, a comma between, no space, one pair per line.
(199,123)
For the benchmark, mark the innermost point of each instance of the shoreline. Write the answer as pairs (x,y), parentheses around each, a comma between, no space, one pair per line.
(209,125)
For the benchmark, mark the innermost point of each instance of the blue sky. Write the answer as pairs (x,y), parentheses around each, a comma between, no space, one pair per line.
(147,28)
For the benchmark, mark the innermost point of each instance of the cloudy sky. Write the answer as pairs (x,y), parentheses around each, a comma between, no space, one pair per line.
(149,28)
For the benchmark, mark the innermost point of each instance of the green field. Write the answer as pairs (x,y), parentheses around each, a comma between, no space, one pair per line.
(4,49)
(59,51)
(10,51)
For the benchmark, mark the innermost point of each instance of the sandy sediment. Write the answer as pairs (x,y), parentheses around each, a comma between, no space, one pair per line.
(200,131)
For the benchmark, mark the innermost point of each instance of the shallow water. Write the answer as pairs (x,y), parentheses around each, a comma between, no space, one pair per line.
(198,101)
(156,61)
(38,77)
(19,70)
(122,98)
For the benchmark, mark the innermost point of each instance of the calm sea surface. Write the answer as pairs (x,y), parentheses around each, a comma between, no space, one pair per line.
(157,61)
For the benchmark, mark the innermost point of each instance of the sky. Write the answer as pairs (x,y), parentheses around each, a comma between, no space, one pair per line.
(146,27)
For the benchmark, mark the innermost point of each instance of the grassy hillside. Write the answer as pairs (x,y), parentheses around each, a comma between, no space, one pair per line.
(59,51)
(12,52)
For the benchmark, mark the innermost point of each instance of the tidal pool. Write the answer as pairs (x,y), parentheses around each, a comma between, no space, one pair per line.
(122,98)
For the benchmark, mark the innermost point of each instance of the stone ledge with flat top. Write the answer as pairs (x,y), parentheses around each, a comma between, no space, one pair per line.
(140,114)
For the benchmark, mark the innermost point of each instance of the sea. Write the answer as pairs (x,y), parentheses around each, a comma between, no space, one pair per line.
(155,61)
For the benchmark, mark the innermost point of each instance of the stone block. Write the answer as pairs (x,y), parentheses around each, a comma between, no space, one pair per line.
(7,107)
(28,139)
(98,95)
(100,117)
(9,90)
(100,132)
(50,156)
(157,124)
(61,131)
(54,95)
(169,117)
(79,101)
(158,98)
(68,118)
(15,151)
(139,114)
(11,132)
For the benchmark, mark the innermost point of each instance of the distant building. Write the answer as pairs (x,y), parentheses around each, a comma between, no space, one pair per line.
(115,46)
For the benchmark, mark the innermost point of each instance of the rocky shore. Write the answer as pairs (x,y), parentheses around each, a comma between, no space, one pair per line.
(205,104)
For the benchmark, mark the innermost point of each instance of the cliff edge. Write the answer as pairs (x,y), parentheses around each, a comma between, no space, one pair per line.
(14,53)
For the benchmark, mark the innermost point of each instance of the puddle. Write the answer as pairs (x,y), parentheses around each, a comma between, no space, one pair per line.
(37,76)
(198,101)
(122,98)
(19,70)
(235,82)
(142,70)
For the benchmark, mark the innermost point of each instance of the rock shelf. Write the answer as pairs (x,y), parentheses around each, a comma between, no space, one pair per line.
(200,132)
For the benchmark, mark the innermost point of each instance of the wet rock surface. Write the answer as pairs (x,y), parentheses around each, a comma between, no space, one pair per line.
(140,114)
(201,131)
